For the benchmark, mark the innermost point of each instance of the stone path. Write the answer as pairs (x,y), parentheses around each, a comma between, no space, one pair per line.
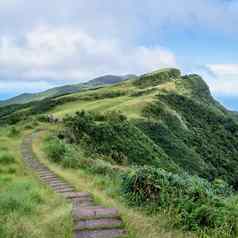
(91,220)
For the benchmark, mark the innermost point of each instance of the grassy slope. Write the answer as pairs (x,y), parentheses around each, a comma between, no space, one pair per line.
(185,116)
(131,106)
(138,224)
(62,90)
(27,208)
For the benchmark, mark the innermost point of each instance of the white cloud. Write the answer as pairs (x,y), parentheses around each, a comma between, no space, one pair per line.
(24,86)
(70,53)
(225,80)
(82,39)
(225,70)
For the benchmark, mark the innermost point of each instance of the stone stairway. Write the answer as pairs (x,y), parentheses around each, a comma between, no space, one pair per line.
(90,220)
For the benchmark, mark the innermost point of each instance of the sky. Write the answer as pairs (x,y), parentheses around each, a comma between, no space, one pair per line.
(45,43)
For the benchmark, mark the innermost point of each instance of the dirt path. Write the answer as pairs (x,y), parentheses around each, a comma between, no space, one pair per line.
(90,219)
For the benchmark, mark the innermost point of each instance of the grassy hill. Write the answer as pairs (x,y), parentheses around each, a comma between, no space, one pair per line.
(68,89)
(163,120)
(177,113)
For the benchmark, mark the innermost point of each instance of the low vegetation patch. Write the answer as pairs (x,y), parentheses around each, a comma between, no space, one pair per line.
(60,152)
(6,158)
(199,138)
(27,209)
(196,203)
(113,136)
(157,77)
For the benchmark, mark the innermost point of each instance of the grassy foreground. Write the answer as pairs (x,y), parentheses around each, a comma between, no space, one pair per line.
(104,190)
(27,208)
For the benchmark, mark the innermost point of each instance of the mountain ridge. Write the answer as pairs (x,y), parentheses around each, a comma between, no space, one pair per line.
(65,89)
(176,112)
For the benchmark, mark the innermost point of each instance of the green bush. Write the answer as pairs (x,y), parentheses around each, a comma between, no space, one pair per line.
(159,77)
(21,197)
(101,167)
(196,135)
(198,203)
(70,158)
(221,187)
(115,137)
(13,131)
(60,152)
(55,149)
(6,158)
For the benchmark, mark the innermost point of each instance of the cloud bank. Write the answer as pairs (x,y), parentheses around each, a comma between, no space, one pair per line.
(225,80)
(65,53)
(45,43)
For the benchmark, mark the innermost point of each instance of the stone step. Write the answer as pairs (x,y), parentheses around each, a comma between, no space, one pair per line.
(34,166)
(56,183)
(51,180)
(77,195)
(106,233)
(83,204)
(60,186)
(91,221)
(43,170)
(63,190)
(48,176)
(104,223)
(94,213)
(33,162)
(45,175)
(86,202)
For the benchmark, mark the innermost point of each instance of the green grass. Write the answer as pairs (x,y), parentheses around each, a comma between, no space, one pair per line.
(27,208)
(105,191)
(130,106)
(176,113)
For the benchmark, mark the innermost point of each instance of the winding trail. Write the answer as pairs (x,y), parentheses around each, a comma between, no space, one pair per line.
(90,219)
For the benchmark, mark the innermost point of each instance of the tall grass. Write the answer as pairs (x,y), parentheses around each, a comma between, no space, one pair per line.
(6,158)
(27,209)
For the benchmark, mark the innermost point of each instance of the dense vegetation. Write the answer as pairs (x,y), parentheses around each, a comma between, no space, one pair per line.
(170,148)
(158,77)
(115,137)
(195,202)
(199,132)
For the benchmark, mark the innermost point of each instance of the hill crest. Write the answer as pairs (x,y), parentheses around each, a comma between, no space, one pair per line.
(63,90)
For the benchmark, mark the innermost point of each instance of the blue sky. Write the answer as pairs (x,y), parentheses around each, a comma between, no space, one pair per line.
(49,43)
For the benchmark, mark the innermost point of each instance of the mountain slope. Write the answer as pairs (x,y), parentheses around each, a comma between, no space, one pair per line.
(176,113)
(67,89)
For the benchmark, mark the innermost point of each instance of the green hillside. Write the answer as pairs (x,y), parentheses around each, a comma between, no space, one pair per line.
(68,89)
(177,113)
(162,137)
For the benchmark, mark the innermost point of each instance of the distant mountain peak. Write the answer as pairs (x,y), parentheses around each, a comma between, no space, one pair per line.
(66,89)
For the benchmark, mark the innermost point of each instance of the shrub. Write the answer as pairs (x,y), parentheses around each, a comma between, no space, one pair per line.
(156,78)
(221,187)
(198,204)
(70,158)
(115,137)
(101,167)
(55,149)
(21,197)
(6,158)
(13,131)
(60,152)
(196,135)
